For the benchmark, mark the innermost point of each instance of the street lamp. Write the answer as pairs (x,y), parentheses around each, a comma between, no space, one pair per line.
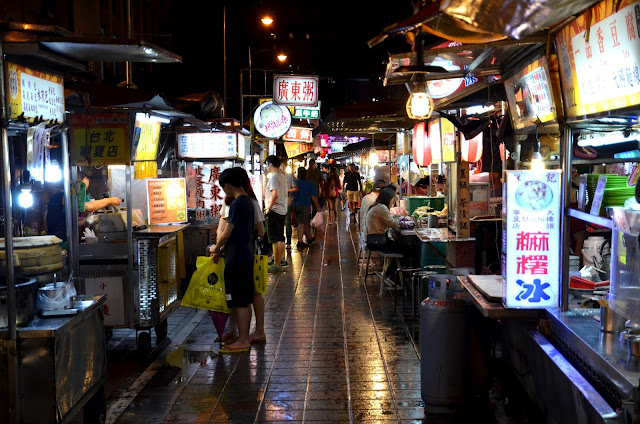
(267,20)
(282,57)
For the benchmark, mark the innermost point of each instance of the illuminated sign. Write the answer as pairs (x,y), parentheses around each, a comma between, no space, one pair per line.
(271,120)
(448,134)
(33,93)
(99,139)
(435,140)
(166,200)
(295,149)
(531,240)
(146,137)
(529,95)
(600,73)
(307,112)
(295,90)
(303,134)
(209,145)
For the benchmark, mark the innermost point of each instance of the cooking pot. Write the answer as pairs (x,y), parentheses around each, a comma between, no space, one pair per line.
(25,300)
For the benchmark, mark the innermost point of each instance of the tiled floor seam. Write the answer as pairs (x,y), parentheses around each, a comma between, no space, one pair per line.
(282,333)
(377,336)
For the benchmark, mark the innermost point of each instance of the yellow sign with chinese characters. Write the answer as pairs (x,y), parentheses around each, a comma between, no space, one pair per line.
(99,139)
(146,136)
(33,94)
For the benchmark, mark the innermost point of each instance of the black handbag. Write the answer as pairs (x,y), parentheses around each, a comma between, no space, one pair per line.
(377,239)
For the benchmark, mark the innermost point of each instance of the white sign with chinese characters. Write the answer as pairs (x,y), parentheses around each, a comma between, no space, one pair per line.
(531,259)
(607,64)
(271,120)
(295,90)
(209,194)
(208,145)
(111,287)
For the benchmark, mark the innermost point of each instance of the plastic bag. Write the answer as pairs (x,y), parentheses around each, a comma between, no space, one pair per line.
(260,275)
(317,220)
(206,289)
(55,297)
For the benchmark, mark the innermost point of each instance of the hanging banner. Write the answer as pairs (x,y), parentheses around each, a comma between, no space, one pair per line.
(600,73)
(302,134)
(166,200)
(295,149)
(295,90)
(448,134)
(435,140)
(463,229)
(531,272)
(146,137)
(99,139)
(33,93)
(530,96)
(204,193)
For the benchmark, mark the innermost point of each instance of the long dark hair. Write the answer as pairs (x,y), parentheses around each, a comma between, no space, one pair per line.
(333,176)
(246,185)
(385,197)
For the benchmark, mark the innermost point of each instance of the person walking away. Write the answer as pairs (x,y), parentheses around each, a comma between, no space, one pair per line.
(343,194)
(303,197)
(237,243)
(353,185)
(275,211)
(315,176)
(258,334)
(366,203)
(291,184)
(331,192)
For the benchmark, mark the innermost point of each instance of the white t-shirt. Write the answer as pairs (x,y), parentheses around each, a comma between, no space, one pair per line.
(277,181)
(258,216)
(365,204)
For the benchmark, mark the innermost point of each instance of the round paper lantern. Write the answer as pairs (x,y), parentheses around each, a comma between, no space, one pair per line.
(421,145)
(471,150)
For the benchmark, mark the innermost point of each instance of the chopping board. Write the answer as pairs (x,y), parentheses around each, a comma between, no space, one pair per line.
(489,285)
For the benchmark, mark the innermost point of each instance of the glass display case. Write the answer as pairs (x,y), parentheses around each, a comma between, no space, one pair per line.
(624,294)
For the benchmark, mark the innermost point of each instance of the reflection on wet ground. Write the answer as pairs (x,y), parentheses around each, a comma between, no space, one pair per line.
(335,352)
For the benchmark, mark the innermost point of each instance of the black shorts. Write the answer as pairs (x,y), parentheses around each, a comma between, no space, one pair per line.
(238,283)
(303,213)
(275,227)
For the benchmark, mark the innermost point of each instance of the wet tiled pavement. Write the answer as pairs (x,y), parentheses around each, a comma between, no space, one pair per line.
(335,352)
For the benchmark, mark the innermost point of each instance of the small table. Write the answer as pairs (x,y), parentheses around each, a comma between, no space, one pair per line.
(435,235)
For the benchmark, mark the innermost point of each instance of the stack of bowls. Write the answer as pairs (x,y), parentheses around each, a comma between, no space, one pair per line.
(616,191)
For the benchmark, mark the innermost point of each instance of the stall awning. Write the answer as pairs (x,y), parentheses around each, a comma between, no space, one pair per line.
(366,118)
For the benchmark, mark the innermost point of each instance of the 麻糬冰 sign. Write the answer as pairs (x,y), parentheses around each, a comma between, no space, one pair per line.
(600,72)
(531,240)
(295,90)
(34,93)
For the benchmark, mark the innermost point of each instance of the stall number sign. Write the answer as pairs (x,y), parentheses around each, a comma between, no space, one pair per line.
(601,72)
(302,134)
(99,139)
(295,90)
(209,194)
(531,240)
(166,200)
(212,145)
(34,94)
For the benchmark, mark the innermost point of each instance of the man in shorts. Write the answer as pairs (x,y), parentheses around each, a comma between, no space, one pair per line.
(275,211)
(353,186)
(237,241)
(304,196)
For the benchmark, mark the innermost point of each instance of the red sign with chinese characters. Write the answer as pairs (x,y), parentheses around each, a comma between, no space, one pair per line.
(295,90)
(302,134)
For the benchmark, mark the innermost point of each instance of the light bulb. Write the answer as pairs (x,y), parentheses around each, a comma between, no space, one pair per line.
(373,158)
(288,169)
(25,198)
(536,162)
(267,20)
(420,103)
(282,57)
(53,173)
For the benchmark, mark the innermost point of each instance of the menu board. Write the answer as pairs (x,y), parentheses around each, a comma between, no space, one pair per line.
(529,95)
(208,145)
(531,240)
(34,93)
(600,72)
(166,200)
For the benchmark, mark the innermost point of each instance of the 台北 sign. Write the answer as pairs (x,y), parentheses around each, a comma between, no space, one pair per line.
(99,139)
(271,120)
(33,93)
(600,73)
(166,200)
(531,240)
(302,134)
(210,145)
(295,90)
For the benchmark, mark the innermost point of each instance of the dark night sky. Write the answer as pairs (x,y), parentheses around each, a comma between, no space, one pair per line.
(337,45)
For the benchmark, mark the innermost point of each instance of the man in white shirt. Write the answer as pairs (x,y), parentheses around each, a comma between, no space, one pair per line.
(291,185)
(276,210)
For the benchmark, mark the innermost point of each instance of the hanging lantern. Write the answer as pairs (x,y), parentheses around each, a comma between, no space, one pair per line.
(421,145)
(471,150)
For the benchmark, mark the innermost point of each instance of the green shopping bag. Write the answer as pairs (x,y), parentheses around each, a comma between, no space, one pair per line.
(260,273)
(206,289)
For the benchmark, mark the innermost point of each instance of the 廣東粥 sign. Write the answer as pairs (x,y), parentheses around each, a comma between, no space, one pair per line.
(531,240)
(295,90)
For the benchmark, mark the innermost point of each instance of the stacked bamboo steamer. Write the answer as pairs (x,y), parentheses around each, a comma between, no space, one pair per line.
(37,257)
